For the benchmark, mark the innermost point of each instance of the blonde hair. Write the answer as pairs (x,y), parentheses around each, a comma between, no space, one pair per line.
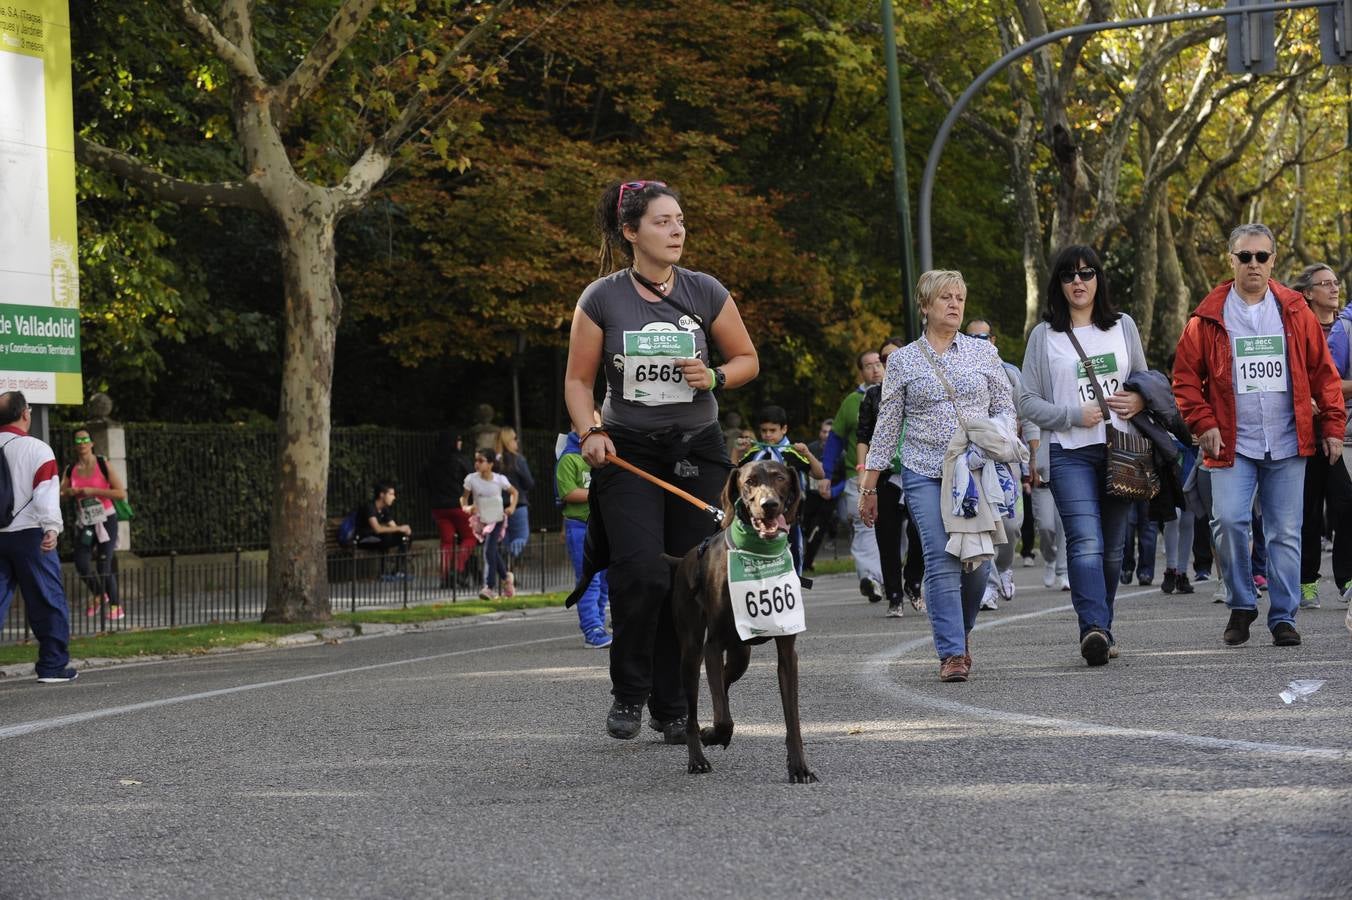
(505,434)
(932,283)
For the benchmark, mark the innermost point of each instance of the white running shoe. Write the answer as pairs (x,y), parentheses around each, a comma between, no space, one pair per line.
(1049,575)
(1007,586)
(988,599)
(1065,582)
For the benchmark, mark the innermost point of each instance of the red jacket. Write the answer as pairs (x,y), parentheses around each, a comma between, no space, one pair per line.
(1204,374)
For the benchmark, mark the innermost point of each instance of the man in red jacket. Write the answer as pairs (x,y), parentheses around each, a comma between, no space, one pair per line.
(1254,381)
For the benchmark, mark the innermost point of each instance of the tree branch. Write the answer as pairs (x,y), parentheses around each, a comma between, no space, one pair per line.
(309,74)
(400,130)
(237,60)
(940,90)
(234,194)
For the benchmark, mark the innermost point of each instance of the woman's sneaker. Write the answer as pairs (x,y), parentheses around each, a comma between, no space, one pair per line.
(597,639)
(1309,595)
(509,586)
(487,593)
(115,612)
(93,608)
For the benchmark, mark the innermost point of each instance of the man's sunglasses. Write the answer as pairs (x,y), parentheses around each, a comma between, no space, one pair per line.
(1086,275)
(634,186)
(1246,256)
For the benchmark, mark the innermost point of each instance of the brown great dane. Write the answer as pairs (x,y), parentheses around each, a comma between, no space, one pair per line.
(769,496)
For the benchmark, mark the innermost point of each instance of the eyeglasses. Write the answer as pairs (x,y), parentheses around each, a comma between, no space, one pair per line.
(1245,256)
(1331,283)
(84,440)
(634,186)
(981,336)
(1086,275)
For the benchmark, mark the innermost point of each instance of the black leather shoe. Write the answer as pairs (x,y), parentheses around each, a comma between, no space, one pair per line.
(1237,630)
(673,730)
(1285,635)
(624,720)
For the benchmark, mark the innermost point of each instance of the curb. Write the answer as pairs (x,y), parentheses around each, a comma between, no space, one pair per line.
(334,634)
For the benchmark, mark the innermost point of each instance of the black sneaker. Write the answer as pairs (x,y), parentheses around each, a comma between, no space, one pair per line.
(894,608)
(1124,576)
(673,730)
(1182,585)
(70,675)
(624,720)
(1169,582)
(1094,647)
(1285,635)
(871,589)
(1145,580)
(1237,630)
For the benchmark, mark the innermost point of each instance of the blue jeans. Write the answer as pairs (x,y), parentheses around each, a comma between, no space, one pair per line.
(495,567)
(1280,486)
(518,530)
(1096,528)
(952,596)
(591,606)
(1143,531)
(37,573)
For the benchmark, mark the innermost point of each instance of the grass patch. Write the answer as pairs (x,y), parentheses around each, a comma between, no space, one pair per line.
(833,566)
(196,639)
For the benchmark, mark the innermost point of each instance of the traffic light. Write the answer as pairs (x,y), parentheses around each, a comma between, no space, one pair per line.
(1251,40)
(1335,33)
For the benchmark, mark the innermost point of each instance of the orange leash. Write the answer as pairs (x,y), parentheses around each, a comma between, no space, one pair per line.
(670,488)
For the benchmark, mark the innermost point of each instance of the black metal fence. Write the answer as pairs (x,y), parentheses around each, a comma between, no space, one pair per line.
(170,591)
(208,488)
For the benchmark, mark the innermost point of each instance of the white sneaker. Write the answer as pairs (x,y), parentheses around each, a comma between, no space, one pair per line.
(1007,585)
(1049,575)
(1065,582)
(988,599)
(1028,562)
(1346,598)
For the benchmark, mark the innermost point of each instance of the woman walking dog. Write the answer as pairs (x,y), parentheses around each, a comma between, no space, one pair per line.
(943,382)
(651,323)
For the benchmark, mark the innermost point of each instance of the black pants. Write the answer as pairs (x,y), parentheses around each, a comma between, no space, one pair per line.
(642,521)
(892,518)
(383,543)
(816,521)
(1028,530)
(1326,484)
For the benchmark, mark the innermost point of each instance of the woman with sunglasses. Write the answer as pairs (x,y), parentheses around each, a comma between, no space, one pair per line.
(93,485)
(651,327)
(1060,398)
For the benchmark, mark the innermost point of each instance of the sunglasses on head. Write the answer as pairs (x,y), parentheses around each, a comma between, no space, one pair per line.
(1245,256)
(1086,274)
(634,186)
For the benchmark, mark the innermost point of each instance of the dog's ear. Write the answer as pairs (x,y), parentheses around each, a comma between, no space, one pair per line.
(732,492)
(795,497)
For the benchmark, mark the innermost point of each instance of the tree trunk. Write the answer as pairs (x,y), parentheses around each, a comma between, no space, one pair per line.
(1147,262)
(1174,296)
(298,587)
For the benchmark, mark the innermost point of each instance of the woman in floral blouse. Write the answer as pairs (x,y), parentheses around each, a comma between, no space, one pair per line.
(913,392)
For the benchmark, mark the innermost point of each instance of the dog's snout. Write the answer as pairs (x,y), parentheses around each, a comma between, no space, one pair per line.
(771,505)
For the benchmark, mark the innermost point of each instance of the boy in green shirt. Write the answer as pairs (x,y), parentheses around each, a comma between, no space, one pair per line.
(572,484)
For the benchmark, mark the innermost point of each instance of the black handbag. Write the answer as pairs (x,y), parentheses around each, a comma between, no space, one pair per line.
(1130,472)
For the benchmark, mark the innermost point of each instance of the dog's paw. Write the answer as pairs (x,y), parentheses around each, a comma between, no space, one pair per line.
(719,733)
(803,776)
(699,766)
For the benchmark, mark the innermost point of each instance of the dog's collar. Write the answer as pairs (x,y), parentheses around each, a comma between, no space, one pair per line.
(742,536)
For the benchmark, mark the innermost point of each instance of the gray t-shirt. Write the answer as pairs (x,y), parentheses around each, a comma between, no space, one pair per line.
(644,390)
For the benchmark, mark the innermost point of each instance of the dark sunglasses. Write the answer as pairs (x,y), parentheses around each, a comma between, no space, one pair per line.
(1244,256)
(634,186)
(1086,275)
(981,336)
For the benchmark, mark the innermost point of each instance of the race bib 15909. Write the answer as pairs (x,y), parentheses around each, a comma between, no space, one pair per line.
(767,597)
(1260,363)
(651,375)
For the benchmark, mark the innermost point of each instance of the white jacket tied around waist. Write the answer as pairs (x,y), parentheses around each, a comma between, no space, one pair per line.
(36,481)
(1000,454)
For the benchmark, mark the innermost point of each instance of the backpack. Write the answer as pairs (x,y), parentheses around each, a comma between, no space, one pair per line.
(7,510)
(347,529)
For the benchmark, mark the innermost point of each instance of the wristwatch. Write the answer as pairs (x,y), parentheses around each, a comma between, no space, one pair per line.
(720,379)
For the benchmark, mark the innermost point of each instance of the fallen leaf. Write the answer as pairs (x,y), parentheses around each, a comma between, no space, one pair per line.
(127,781)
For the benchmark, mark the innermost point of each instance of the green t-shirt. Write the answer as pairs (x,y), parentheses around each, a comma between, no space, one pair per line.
(571,473)
(846,427)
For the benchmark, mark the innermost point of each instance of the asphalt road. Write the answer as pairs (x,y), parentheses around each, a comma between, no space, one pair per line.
(472,761)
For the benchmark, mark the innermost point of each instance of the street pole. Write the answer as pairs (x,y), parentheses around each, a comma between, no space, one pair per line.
(941,138)
(900,188)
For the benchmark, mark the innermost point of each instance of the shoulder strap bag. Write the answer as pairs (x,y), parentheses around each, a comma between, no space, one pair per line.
(1130,473)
